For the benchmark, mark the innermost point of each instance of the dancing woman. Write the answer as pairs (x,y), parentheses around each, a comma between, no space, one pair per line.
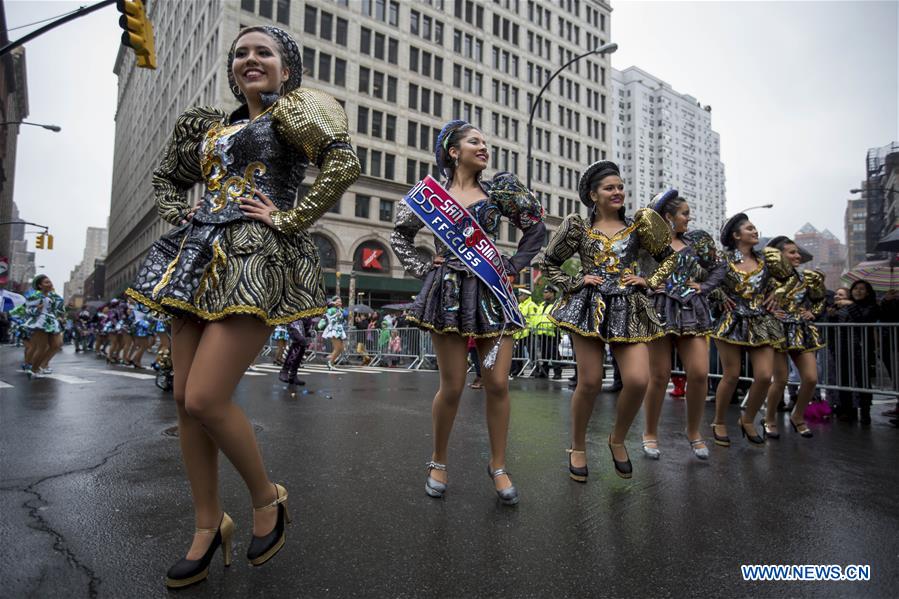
(746,323)
(335,329)
(803,302)
(607,304)
(44,309)
(454,304)
(238,264)
(682,304)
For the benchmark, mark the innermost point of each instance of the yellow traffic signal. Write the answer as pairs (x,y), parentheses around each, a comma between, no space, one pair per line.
(138,32)
(48,241)
(39,242)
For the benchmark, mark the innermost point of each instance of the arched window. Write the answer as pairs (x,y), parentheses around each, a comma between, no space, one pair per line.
(372,257)
(326,251)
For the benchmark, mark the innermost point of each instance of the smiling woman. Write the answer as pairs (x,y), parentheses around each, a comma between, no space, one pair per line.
(239,263)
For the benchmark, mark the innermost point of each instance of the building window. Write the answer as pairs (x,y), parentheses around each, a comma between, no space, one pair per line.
(362,120)
(364,40)
(389,166)
(248,5)
(385,213)
(364,80)
(309,16)
(326,251)
(391,88)
(362,154)
(324,67)
(375,170)
(327,25)
(342,26)
(410,171)
(393,48)
(390,128)
(362,205)
(309,60)
(340,72)
(284,11)
(265,8)
(394,15)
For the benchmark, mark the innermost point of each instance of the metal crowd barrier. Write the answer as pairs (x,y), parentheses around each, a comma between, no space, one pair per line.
(859,358)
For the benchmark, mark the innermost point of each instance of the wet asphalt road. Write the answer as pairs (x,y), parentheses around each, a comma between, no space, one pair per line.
(95,503)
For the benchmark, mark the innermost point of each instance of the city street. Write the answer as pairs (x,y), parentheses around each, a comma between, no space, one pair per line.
(95,502)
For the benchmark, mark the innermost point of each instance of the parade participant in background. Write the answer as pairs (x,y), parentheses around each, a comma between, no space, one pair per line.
(334,328)
(163,339)
(238,264)
(127,321)
(300,332)
(140,332)
(455,304)
(44,312)
(746,323)
(607,304)
(682,304)
(545,331)
(113,329)
(528,309)
(803,302)
(280,337)
(856,349)
(83,333)
(101,343)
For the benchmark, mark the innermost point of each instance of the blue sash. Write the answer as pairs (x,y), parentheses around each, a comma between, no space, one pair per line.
(452,224)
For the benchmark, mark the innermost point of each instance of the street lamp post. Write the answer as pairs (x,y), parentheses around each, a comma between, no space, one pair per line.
(604,49)
(54,128)
(757,207)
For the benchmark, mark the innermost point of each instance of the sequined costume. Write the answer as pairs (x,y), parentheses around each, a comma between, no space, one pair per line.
(804,290)
(610,311)
(452,299)
(749,322)
(222,262)
(280,333)
(335,327)
(43,312)
(682,309)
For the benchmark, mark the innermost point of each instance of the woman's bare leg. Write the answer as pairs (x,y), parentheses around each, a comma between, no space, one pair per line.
(660,358)
(694,355)
(633,364)
(452,362)
(590,357)
(497,405)
(731,359)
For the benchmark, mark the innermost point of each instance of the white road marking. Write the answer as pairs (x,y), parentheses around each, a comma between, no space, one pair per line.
(4,385)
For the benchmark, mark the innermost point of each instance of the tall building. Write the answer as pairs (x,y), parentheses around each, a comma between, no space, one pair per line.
(829,254)
(94,248)
(855,221)
(13,108)
(890,183)
(663,139)
(879,200)
(401,70)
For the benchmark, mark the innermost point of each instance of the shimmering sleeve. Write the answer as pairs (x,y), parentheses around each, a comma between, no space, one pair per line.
(516,202)
(655,238)
(405,226)
(179,169)
(314,123)
(563,245)
(714,265)
(782,272)
(817,292)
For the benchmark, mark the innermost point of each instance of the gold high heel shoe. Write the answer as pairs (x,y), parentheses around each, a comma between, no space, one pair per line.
(262,549)
(186,572)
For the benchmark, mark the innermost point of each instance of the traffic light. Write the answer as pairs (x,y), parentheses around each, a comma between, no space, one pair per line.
(137,32)
(44,241)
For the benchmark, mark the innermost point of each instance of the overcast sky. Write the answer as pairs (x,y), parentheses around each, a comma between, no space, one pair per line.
(799,91)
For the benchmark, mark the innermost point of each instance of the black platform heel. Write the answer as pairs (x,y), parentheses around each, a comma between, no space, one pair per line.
(578,473)
(623,469)
(186,572)
(262,549)
(754,439)
(723,440)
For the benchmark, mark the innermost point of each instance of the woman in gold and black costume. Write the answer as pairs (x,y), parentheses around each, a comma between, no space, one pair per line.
(239,264)
(607,303)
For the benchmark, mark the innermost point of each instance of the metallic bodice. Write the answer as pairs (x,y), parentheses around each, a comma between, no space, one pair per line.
(611,257)
(747,289)
(686,268)
(240,157)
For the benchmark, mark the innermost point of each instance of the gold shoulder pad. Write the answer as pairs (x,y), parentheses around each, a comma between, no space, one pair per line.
(777,263)
(655,235)
(312,121)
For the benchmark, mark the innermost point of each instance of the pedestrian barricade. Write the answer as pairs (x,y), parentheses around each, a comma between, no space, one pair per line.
(859,358)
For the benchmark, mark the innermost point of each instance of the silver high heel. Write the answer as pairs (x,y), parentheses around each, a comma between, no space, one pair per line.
(653,453)
(700,452)
(509,495)
(433,487)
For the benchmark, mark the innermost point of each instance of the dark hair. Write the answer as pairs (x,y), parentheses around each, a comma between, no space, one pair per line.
(671,207)
(288,50)
(450,137)
(36,282)
(871,298)
(728,240)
